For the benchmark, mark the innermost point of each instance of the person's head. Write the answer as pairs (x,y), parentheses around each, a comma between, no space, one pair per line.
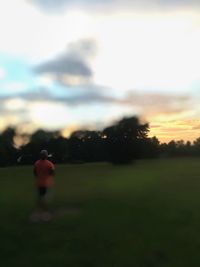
(44,154)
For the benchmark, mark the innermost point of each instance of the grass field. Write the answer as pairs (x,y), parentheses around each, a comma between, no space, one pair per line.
(143,215)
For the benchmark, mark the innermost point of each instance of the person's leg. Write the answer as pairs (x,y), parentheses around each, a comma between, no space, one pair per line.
(43,205)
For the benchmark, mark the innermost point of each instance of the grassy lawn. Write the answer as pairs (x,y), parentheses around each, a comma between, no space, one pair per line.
(143,215)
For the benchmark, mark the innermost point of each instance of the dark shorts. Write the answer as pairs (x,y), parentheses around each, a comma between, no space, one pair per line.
(42,191)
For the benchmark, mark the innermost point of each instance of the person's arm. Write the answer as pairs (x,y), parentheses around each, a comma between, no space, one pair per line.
(51,169)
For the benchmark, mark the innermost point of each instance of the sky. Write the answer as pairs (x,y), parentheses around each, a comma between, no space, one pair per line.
(72,64)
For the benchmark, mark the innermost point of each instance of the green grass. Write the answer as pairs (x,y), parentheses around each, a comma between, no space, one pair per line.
(143,215)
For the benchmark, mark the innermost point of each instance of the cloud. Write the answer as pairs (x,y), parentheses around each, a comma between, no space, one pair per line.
(61,5)
(15,104)
(36,109)
(72,67)
(89,95)
(67,70)
(196,127)
(149,104)
(94,93)
(42,108)
(153,104)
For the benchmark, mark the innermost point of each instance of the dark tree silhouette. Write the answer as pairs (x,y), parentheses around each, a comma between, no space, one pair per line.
(39,140)
(86,146)
(121,143)
(150,147)
(8,152)
(196,147)
(123,140)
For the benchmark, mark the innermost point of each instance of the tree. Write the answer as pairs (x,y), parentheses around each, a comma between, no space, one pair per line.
(59,148)
(150,147)
(123,140)
(8,151)
(41,139)
(196,147)
(86,146)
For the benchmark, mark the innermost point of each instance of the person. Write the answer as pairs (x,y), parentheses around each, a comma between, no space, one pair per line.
(44,171)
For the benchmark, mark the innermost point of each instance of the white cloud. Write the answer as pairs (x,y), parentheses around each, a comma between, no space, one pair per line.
(15,104)
(158,50)
(28,33)
(9,120)
(149,51)
(44,81)
(48,115)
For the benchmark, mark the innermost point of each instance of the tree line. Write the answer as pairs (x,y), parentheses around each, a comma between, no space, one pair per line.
(120,143)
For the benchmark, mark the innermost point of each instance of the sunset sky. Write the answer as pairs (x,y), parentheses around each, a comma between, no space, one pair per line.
(68,64)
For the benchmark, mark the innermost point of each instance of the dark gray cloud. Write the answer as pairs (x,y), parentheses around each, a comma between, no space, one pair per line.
(65,65)
(147,105)
(88,96)
(152,103)
(61,5)
(71,67)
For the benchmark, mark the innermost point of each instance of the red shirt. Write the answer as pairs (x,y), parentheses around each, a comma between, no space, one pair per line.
(43,170)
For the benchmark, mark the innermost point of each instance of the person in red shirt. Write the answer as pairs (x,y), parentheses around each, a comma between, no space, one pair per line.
(44,171)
